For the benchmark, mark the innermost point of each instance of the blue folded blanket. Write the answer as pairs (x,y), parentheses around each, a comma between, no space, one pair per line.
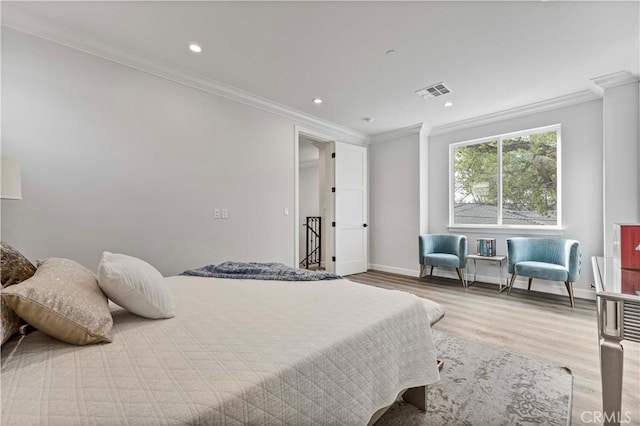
(260,271)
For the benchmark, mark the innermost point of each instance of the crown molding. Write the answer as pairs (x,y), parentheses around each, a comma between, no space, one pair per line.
(537,107)
(425,130)
(396,134)
(609,81)
(187,79)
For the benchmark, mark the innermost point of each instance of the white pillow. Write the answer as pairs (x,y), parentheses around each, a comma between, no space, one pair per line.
(135,285)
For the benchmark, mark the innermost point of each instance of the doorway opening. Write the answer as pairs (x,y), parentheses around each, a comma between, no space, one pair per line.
(311,205)
(336,192)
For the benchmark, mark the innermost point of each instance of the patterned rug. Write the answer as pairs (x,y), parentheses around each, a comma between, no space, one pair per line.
(484,386)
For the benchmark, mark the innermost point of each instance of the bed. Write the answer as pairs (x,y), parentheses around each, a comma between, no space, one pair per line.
(237,352)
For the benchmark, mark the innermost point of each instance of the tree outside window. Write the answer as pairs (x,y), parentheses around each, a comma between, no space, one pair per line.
(507,180)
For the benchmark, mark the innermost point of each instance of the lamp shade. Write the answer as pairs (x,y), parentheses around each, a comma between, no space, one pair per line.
(10,182)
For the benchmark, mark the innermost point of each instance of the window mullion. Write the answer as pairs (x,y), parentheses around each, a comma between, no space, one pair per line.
(500,181)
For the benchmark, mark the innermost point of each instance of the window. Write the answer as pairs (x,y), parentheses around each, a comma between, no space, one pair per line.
(507,180)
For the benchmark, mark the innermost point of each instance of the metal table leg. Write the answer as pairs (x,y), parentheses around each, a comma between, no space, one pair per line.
(506,280)
(475,269)
(611,364)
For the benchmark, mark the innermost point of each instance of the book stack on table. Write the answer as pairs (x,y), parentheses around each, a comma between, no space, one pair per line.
(486,247)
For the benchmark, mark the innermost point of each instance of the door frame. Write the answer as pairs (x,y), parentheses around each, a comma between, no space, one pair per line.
(316,136)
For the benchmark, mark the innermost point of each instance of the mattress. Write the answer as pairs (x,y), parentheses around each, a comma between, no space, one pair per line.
(237,352)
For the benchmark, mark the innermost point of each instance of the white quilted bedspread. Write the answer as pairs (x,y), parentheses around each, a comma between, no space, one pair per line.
(237,352)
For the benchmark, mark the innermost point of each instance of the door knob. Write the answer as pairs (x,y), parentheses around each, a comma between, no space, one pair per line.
(364,225)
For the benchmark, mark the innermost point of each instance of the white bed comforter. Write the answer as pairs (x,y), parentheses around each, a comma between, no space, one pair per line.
(237,352)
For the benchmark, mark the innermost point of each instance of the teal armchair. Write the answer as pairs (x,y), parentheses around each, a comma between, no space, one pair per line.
(545,258)
(443,251)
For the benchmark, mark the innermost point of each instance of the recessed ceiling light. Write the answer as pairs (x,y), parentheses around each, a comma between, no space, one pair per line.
(391,52)
(195,48)
(448,104)
(317,100)
(368,119)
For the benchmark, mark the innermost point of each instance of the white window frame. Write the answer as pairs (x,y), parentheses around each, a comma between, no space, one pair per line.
(551,229)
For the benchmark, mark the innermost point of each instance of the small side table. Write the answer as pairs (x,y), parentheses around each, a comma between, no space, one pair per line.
(493,259)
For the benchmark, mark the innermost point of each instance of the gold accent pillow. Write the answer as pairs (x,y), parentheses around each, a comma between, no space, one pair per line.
(9,322)
(63,300)
(14,268)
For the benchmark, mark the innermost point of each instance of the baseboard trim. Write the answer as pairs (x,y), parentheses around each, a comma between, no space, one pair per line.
(394,270)
(521,282)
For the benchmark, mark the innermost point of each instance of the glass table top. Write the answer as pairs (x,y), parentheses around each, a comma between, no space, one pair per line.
(615,279)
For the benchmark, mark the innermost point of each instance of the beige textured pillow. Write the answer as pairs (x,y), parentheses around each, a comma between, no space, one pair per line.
(64,301)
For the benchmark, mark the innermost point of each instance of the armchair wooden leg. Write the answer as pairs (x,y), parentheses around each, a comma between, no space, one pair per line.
(513,279)
(461,276)
(569,286)
(529,287)
(431,273)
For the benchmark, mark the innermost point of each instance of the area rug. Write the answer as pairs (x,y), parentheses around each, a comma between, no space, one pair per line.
(484,386)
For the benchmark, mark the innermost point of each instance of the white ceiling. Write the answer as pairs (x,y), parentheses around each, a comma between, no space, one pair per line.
(493,55)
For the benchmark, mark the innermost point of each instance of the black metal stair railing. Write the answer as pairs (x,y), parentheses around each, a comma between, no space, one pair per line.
(313,252)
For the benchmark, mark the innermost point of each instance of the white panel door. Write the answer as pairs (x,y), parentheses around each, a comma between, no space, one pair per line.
(350,208)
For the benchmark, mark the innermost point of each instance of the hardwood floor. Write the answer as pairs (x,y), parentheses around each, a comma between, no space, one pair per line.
(532,324)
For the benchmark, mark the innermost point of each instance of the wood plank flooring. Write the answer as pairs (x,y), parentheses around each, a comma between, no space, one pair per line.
(535,325)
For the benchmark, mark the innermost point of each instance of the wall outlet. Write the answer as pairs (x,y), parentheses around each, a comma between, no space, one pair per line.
(286,211)
(216,213)
(225,213)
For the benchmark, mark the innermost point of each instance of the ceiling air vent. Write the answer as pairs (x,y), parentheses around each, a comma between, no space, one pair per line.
(434,90)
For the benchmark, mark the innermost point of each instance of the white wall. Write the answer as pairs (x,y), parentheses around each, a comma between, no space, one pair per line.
(116,159)
(395,188)
(309,200)
(621,159)
(581,179)
(394,200)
